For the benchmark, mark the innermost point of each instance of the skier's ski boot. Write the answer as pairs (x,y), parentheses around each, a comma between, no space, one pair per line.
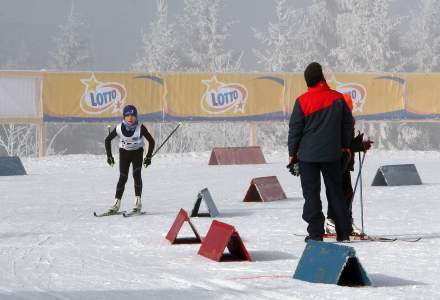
(137,205)
(115,207)
(330,227)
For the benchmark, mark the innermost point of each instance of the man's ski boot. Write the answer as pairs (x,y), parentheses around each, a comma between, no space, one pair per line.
(330,227)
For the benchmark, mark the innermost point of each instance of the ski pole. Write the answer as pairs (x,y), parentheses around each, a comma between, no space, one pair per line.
(361,161)
(357,181)
(358,176)
(168,137)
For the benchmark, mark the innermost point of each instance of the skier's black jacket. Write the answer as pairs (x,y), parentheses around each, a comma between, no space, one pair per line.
(320,126)
(144,133)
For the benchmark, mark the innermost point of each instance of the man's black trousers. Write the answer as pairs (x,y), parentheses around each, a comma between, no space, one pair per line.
(126,158)
(347,189)
(311,186)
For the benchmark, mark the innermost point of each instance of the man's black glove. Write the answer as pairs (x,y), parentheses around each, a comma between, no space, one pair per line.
(147,161)
(110,161)
(293,166)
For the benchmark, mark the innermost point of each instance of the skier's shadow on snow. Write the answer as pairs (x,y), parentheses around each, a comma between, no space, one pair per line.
(266,255)
(381,280)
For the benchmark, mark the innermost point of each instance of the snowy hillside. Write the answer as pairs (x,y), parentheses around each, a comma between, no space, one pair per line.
(51,246)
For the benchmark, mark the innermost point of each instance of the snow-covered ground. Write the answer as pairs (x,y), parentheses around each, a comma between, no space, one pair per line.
(51,246)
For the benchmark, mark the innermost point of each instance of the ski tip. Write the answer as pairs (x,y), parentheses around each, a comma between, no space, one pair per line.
(180,124)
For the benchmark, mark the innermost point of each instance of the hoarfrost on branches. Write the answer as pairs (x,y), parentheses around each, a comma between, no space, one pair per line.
(277,41)
(422,39)
(297,37)
(71,48)
(204,38)
(159,45)
(18,139)
(364,30)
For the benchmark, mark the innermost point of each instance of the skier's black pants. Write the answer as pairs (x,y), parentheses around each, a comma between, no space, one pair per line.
(311,186)
(126,158)
(347,189)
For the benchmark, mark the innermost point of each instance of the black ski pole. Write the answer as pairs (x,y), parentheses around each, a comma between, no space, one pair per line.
(361,161)
(168,137)
(357,180)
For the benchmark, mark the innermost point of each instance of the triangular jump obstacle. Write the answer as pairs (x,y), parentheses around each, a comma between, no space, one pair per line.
(11,166)
(237,156)
(331,263)
(205,195)
(181,218)
(221,236)
(264,189)
(396,175)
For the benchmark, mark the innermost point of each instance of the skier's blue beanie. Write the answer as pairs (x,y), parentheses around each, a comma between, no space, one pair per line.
(130,110)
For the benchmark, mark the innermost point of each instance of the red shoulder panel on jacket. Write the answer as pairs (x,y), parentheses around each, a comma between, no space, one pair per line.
(315,101)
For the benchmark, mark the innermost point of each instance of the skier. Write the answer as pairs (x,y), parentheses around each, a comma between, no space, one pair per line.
(131,149)
(358,144)
(320,130)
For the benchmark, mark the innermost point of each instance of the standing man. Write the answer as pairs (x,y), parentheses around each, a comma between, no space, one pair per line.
(358,144)
(320,130)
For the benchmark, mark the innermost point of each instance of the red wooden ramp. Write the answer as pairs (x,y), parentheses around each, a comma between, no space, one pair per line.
(220,236)
(237,156)
(181,218)
(264,189)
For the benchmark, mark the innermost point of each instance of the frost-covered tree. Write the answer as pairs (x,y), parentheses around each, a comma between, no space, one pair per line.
(296,37)
(203,38)
(158,51)
(18,139)
(314,34)
(276,56)
(364,30)
(422,39)
(71,47)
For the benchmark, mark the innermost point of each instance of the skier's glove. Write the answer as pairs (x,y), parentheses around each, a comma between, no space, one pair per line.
(293,166)
(147,161)
(110,161)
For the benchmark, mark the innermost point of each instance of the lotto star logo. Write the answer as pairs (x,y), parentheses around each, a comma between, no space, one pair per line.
(357,92)
(221,97)
(101,96)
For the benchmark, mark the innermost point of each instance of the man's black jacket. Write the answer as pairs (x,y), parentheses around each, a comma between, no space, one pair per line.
(320,126)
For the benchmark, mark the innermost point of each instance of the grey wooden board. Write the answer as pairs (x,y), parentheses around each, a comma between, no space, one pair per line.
(396,175)
(205,195)
(11,166)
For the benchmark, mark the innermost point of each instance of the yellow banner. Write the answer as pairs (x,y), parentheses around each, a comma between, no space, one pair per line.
(242,97)
(423,94)
(100,96)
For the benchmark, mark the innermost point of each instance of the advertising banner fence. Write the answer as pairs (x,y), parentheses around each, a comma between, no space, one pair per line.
(100,96)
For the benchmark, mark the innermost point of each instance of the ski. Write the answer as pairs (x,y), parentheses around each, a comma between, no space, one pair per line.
(363,238)
(133,214)
(373,238)
(108,213)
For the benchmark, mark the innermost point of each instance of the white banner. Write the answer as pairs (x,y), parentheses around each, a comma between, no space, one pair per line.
(19,97)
